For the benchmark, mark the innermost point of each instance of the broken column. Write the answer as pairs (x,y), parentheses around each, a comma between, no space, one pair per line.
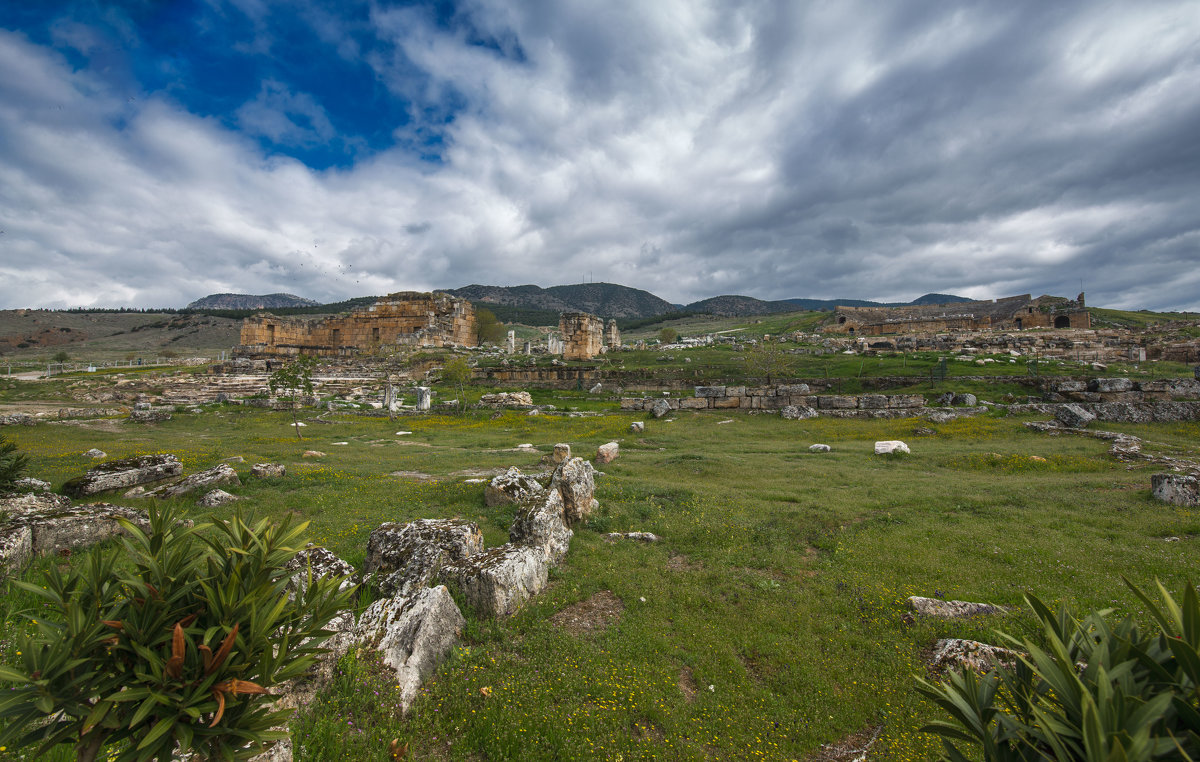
(510,344)
(583,335)
(424,397)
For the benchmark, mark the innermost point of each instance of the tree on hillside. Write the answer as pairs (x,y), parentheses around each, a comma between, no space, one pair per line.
(768,359)
(291,381)
(457,373)
(668,335)
(487,327)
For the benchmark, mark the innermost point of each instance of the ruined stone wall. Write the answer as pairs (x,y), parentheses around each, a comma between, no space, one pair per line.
(612,336)
(583,335)
(1010,313)
(405,319)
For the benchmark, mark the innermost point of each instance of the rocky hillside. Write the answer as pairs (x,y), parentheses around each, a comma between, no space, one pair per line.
(736,306)
(250,302)
(604,299)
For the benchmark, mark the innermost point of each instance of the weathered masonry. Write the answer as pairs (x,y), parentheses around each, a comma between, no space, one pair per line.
(404,319)
(1013,313)
(582,335)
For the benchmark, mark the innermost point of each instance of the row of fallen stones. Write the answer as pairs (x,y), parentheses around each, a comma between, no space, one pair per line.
(1182,487)
(135,472)
(414,565)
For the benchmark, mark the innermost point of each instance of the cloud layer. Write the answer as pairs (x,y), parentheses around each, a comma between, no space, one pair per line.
(691,149)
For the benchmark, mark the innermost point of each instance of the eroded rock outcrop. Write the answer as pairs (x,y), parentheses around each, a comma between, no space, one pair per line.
(575,480)
(1177,489)
(953,653)
(268,470)
(541,524)
(124,473)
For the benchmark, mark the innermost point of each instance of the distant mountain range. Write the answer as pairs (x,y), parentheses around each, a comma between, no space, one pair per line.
(609,300)
(251,302)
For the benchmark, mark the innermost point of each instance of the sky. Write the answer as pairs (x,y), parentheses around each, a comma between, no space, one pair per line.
(156,151)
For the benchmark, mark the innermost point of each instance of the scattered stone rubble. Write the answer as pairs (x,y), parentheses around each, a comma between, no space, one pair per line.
(507,399)
(221,475)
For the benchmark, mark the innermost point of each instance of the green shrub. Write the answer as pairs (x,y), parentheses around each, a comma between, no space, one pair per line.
(1095,691)
(12,464)
(171,640)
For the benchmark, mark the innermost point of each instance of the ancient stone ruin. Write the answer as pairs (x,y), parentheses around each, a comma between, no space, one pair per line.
(582,335)
(1010,313)
(403,319)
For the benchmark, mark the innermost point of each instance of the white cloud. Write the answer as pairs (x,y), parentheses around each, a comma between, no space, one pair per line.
(689,149)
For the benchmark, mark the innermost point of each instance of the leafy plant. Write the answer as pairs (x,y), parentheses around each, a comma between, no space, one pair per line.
(12,464)
(457,373)
(292,380)
(769,360)
(178,647)
(1095,691)
(487,327)
(668,335)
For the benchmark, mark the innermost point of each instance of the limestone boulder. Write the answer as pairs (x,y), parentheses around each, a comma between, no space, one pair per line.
(637,427)
(575,480)
(317,563)
(150,416)
(221,475)
(512,486)
(797,412)
(964,400)
(638,536)
(407,557)
(956,653)
(216,498)
(891,447)
(95,453)
(268,471)
(540,524)
(301,691)
(312,454)
(1110,385)
(562,452)
(933,607)
(29,484)
(659,408)
(414,634)
(1073,416)
(1177,489)
(607,453)
(498,581)
(124,473)
(819,448)
(42,523)
(940,416)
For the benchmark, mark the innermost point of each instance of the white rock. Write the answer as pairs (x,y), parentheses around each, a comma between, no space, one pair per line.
(216,498)
(888,447)
(607,453)
(403,433)
(407,557)
(498,581)
(819,448)
(94,453)
(219,475)
(512,486)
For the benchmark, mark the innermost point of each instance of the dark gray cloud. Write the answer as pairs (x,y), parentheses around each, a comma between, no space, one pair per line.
(772,149)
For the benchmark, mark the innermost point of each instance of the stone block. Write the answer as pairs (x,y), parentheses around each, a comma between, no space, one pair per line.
(872,402)
(710,391)
(1110,385)
(726,402)
(735,391)
(906,401)
(498,581)
(635,403)
(694,403)
(788,390)
(1177,489)
(836,402)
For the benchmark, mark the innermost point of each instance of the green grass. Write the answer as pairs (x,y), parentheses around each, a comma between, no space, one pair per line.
(780,580)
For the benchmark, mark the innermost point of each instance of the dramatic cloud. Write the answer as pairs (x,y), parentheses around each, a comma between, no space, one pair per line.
(691,149)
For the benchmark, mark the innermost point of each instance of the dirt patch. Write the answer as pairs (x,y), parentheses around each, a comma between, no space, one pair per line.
(647,730)
(415,476)
(683,563)
(593,615)
(110,425)
(477,472)
(853,747)
(687,685)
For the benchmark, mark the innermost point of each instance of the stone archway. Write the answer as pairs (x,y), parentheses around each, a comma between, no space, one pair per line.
(1062,321)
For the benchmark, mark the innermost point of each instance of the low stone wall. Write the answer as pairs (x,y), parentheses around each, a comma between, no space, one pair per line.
(1123,412)
(779,397)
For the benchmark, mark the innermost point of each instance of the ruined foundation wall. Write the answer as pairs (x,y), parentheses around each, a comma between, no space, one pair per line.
(405,319)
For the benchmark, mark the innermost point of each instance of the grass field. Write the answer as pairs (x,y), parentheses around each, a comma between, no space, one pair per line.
(769,619)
